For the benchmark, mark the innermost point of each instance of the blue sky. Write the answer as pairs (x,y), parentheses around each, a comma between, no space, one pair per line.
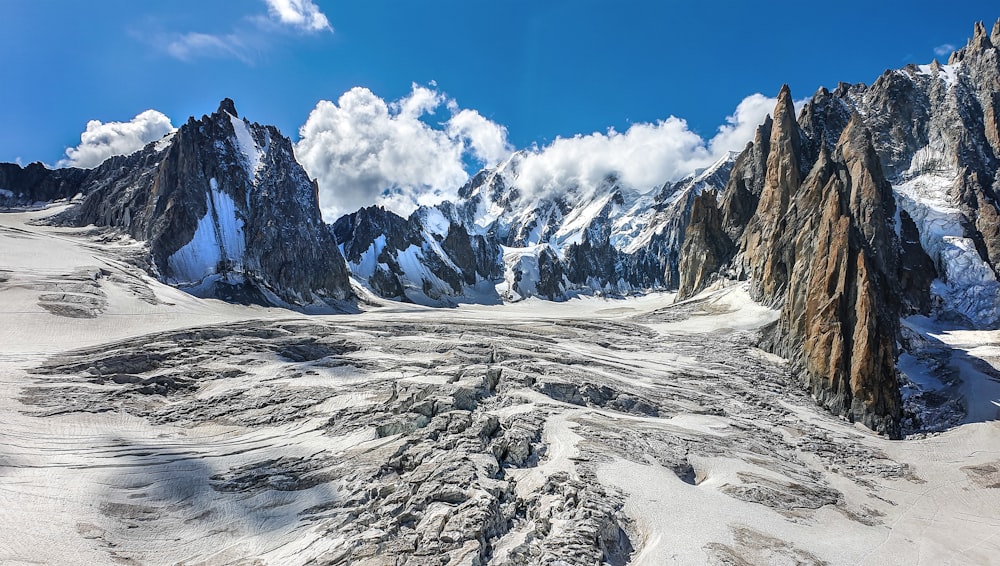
(541,70)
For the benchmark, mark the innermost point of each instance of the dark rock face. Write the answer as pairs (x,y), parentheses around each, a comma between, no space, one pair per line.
(223,207)
(707,247)
(817,244)
(424,258)
(35,183)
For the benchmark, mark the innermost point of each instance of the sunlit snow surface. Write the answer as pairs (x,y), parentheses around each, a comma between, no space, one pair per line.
(248,147)
(144,425)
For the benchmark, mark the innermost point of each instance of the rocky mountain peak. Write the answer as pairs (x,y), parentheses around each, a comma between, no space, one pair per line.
(227,105)
(224,210)
(980,42)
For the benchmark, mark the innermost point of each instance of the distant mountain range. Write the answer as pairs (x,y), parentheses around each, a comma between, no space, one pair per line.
(873,204)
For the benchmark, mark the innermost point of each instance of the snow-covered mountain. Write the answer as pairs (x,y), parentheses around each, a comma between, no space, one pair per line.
(496,243)
(874,204)
(222,206)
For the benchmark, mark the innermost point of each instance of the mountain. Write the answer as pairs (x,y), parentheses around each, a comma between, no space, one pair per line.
(222,205)
(877,203)
(495,243)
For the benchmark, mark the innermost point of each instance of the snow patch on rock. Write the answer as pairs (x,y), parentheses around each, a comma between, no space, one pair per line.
(247,145)
(218,244)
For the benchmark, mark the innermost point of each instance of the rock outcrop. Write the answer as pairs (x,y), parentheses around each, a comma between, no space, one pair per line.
(818,244)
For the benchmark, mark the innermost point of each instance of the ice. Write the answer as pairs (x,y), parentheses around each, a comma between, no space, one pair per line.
(737,464)
(966,283)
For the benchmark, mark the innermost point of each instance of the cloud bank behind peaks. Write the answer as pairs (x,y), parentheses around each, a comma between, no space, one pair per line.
(363,150)
(643,157)
(103,140)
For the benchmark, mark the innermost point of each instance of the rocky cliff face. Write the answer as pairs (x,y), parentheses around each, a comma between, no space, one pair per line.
(223,207)
(876,203)
(35,183)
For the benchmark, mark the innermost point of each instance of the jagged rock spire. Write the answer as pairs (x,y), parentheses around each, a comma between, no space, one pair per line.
(980,41)
(227,105)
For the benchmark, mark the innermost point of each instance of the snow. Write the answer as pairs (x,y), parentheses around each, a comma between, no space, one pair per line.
(367,263)
(434,221)
(164,142)
(574,224)
(521,272)
(217,237)
(6,193)
(247,145)
(947,73)
(415,274)
(64,476)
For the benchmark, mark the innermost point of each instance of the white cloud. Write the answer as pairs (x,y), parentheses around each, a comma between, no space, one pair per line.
(363,150)
(190,46)
(944,49)
(249,36)
(301,14)
(741,125)
(644,157)
(103,140)
(487,140)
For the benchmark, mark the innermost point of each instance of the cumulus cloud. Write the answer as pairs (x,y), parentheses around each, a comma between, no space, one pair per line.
(103,140)
(486,139)
(944,49)
(741,125)
(363,150)
(643,157)
(301,14)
